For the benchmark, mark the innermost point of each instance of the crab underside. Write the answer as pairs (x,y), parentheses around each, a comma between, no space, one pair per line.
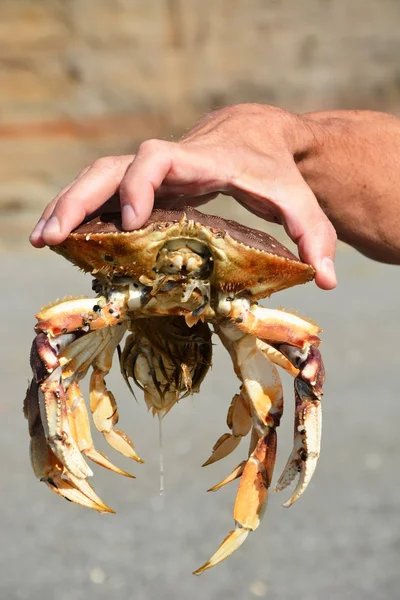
(166,289)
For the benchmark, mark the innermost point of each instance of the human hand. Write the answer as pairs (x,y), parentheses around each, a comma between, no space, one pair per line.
(245,151)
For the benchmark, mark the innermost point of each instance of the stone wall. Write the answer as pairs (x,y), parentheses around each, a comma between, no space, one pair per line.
(84,78)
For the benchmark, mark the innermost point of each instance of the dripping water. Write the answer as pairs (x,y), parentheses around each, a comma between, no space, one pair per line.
(161,454)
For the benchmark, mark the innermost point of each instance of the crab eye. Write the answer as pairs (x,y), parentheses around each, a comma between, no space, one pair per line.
(217,233)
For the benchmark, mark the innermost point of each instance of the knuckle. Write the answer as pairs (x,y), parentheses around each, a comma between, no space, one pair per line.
(151,146)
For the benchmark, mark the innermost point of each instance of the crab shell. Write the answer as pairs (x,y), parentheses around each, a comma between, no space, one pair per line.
(243,258)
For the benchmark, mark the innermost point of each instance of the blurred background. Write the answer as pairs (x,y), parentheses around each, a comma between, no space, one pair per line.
(84,78)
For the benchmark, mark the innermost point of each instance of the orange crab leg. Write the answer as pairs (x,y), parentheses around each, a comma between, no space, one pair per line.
(269,324)
(82,314)
(235,474)
(79,423)
(239,422)
(103,405)
(76,358)
(277,358)
(238,471)
(263,388)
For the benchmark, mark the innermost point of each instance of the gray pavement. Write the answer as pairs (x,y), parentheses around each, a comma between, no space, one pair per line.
(341,541)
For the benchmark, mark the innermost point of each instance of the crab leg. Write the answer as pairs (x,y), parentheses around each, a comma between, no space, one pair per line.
(79,423)
(269,324)
(75,360)
(263,387)
(277,358)
(295,340)
(82,314)
(239,422)
(48,468)
(307,367)
(77,357)
(102,402)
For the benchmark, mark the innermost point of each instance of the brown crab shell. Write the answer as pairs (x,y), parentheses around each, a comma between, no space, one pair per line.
(245,259)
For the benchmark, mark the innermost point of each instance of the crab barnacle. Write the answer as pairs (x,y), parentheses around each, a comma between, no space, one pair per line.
(160,293)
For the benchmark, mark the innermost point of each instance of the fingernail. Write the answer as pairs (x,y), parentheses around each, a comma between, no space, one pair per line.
(128,216)
(52,226)
(37,230)
(328,267)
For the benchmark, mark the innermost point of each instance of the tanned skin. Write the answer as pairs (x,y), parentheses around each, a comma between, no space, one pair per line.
(322,175)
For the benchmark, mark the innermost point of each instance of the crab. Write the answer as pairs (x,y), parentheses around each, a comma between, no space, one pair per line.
(165,285)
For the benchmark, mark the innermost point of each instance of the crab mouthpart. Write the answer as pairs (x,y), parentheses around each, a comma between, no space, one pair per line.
(185,257)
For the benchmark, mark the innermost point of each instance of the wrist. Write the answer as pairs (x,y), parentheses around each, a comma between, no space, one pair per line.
(320,140)
(349,160)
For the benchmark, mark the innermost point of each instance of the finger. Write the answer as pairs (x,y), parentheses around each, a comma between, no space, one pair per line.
(144,176)
(85,196)
(113,205)
(317,247)
(258,206)
(165,169)
(305,222)
(180,201)
(315,236)
(36,236)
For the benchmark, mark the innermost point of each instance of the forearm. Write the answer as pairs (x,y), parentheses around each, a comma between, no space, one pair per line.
(351,161)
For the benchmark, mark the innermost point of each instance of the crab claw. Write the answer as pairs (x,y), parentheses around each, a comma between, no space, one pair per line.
(305,453)
(75,490)
(307,424)
(59,436)
(48,468)
(50,397)
(84,314)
